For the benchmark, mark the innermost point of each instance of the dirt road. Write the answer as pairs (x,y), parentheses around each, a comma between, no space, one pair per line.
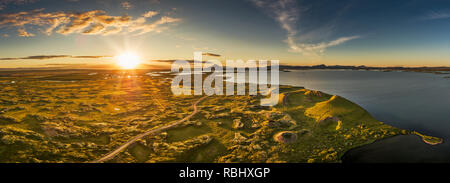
(119,149)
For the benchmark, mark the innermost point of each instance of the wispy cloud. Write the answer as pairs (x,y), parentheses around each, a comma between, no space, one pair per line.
(149,14)
(145,28)
(101,56)
(126,5)
(434,15)
(61,65)
(46,57)
(211,55)
(23,33)
(95,22)
(287,13)
(189,61)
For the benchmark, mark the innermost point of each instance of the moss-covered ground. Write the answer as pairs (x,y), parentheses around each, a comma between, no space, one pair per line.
(79,116)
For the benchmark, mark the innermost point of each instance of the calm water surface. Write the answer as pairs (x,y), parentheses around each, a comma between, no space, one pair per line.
(407,100)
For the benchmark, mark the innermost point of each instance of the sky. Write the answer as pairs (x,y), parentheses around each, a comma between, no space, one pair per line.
(45,33)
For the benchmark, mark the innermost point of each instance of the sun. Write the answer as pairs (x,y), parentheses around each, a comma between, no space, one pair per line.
(128,60)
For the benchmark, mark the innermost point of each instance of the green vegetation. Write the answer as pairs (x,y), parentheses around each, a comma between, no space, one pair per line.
(76,116)
(428,139)
(331,125)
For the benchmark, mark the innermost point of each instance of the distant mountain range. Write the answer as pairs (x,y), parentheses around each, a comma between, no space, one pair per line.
(348,67)
(362,67)
(165,65)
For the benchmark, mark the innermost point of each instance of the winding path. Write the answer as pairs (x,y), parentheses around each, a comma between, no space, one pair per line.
(119,149)
(285,98)
(286,95)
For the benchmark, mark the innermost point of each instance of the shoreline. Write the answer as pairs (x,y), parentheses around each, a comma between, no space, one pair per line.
(429,140)
(396,149)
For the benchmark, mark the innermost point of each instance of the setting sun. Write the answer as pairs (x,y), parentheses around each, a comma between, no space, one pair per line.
(128,60)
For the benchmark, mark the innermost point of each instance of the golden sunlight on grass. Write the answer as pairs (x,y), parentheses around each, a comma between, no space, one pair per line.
(128,60)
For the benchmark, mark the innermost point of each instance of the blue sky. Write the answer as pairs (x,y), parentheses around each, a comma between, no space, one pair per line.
(346,32)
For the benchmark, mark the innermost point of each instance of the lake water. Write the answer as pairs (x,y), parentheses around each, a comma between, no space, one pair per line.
(407,100)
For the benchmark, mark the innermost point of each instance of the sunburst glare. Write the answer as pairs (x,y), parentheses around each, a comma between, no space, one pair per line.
(128,60)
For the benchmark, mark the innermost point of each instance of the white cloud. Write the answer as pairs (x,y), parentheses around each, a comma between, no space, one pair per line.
(434,15)
(287,13)
(126,5)
(150,14)
(23,33)
(95,22)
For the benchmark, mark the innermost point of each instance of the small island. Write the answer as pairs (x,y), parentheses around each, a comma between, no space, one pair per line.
(429,139)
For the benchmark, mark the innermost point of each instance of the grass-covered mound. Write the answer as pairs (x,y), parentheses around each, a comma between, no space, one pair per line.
(334,125)
(335,107)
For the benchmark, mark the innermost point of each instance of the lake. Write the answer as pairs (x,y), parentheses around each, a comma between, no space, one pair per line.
(407,100)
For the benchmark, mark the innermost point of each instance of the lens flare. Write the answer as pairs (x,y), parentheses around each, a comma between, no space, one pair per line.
(128,60)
